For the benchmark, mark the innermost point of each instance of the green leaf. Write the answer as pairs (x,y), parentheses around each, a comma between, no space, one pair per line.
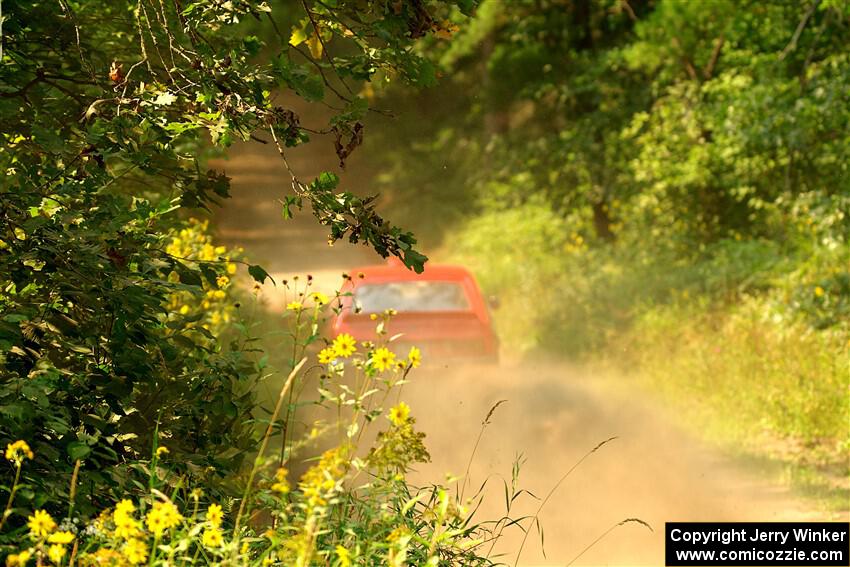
(288,202)
(299,33)
(78,450)
(259,274)
(414,260)
(188,276)
(327,180)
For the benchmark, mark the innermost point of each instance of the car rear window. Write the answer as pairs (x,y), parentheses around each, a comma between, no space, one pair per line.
(411,296)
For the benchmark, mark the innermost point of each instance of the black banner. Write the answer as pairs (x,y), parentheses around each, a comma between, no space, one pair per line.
(760,544)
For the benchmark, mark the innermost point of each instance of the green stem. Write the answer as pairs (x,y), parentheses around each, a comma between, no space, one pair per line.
(8,510)
(245,497)
(153,551)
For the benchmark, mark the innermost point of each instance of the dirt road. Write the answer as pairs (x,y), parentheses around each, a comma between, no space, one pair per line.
(554,413)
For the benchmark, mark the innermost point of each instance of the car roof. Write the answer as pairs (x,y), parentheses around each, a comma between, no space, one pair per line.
(394,270)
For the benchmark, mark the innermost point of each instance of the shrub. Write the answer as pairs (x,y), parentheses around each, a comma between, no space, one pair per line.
(92,361)
(352,506)
(112,304)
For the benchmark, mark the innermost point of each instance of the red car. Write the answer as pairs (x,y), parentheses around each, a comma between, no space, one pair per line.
(441,311)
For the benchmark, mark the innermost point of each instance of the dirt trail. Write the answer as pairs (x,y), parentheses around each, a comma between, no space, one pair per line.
(554,414)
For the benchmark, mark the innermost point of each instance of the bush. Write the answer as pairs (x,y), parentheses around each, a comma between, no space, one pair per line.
(113,306)
(352,506)
(92,361)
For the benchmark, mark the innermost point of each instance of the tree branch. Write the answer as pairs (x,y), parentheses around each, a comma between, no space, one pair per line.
(792,45)
(689,67)
(628,9)
(325,47)
(715,55)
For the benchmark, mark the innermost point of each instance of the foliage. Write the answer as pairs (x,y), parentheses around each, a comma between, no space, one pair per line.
(789,380)
(93,362)
(684,122)
(680,146)
(113,305)
(640,174)
(214,310)
(352,506)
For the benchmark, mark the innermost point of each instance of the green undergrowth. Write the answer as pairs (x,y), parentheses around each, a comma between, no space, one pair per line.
(774,393)
(746,339)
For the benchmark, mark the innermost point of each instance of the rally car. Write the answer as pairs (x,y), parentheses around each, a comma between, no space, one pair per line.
(441,311)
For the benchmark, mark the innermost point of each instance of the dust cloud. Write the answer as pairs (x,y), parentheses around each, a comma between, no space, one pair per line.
(555,414)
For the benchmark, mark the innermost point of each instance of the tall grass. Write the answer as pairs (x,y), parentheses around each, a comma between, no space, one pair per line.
(747,374)
(750,338)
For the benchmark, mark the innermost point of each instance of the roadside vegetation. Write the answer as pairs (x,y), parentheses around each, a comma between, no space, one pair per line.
(129,360)
(658,188)
(352,505)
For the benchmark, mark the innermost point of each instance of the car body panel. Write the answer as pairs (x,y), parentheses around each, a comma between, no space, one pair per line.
(458,333)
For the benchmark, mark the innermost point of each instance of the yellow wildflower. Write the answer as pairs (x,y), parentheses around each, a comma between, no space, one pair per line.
(56,552)
(319,298)
(125,507)
(222,281)
(344,556)
(383,358)
(373,316)
(136,551)
(163,516)
(207,252)
(414,357)
(231,269)
(17,451)
(156,523)
(19,559)
(215,514)
(212,538)
(162,450)
(126,526)
(399,535)
(63,538)
(282,485)
(320,481)
(40,524)
(294,306)
(819,291)
(345,345)
(326,355)
(399,414)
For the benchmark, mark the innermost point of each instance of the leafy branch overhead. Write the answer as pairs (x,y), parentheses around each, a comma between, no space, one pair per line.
(148,80)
